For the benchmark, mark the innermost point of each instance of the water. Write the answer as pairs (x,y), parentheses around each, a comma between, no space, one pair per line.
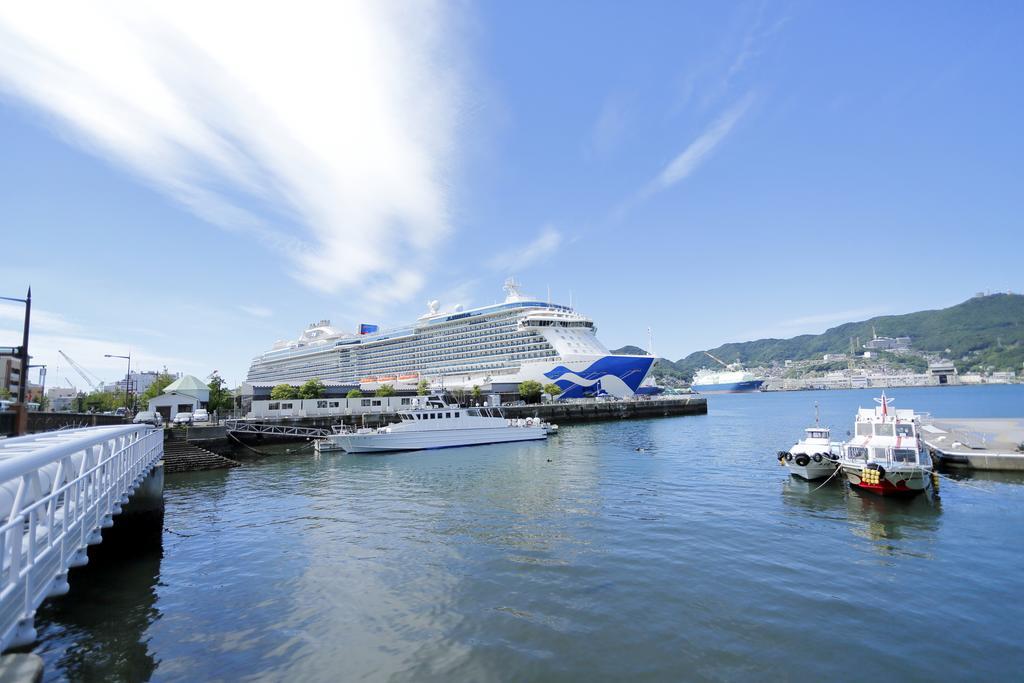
(581,558)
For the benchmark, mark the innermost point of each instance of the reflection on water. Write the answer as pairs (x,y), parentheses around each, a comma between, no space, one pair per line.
(98,631)
(582,558)
(884,520)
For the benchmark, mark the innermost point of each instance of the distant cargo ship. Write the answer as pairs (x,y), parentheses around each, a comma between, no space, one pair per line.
(492,346)
(732,380)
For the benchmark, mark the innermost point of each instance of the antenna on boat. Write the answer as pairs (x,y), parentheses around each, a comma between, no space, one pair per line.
(884,403)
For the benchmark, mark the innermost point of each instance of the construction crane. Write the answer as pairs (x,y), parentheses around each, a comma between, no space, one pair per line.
(91,381)
(712,357)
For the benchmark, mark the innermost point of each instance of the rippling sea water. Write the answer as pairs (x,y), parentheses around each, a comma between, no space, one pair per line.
(582,558)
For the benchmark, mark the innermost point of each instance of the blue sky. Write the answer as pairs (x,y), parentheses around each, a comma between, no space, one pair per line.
(192,187)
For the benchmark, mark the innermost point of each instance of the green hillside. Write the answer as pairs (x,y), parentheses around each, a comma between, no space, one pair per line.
(983,333)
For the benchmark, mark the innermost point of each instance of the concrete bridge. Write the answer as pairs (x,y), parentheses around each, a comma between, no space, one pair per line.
(58,491)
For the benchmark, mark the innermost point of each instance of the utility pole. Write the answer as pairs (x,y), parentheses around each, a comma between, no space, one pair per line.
(127,377)
(23,385)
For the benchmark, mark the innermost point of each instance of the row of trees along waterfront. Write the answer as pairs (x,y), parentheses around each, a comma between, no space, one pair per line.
(529,391)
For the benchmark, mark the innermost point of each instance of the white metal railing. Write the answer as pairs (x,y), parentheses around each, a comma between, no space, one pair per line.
(57,491)
(245,427)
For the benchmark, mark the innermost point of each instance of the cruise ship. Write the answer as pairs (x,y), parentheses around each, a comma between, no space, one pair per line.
(492,347)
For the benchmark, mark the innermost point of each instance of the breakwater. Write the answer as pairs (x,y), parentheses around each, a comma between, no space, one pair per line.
(561,412)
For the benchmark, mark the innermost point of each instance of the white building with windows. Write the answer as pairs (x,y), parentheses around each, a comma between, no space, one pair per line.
(184,395)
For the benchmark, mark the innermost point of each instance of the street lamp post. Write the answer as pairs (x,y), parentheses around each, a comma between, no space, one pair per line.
(127,377)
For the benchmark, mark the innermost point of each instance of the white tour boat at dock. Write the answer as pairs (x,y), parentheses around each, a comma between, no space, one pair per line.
(436,424)
(885,455)
(814,456)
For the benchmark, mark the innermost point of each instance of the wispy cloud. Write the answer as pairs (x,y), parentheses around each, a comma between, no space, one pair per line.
(11,313)
(608,129)
(687,161)
(811,324)
(851,315)
(326,131)
(546,243)
(257,311)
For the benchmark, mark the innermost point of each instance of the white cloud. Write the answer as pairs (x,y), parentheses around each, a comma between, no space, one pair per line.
(697,151)
(39,319)
(88,352)
(326,130)
(609,128)
(527,255)
(257,311)
(852,315)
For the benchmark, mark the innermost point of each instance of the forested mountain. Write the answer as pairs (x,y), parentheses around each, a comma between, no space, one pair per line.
(982,333)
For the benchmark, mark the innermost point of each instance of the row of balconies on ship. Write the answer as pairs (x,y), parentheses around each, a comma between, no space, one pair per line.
(504,351)
(431,369)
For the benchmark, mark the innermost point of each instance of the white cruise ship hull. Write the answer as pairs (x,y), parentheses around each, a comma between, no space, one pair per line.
(381,442)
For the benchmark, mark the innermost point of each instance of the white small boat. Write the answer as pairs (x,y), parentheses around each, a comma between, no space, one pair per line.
(814,456)
(885,455)
(436,424)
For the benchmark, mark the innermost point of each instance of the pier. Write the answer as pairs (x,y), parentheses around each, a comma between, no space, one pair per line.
(976,443)
(58,492)
(564,412)
(584,410)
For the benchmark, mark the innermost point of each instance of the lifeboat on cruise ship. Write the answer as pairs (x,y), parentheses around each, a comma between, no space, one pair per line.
(406,378)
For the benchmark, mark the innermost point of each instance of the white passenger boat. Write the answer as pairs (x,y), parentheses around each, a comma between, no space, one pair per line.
(436,424)
(885,455)
(814,456)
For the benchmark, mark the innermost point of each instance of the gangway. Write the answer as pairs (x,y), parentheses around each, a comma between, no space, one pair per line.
(246,427)
(58,490)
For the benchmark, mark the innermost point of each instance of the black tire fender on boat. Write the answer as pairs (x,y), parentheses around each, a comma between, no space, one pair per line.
(876,466)
(803,460)
(816,457)
(789,456)
(781,455)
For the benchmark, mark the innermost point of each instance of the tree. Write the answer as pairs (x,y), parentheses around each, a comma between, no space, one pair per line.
(283,392)
(422,388)
(44,403)
(5,393)
(385,390)
(314,388)
(476,393)
(102,401)
(530,391)
(354,393)
(155,389)
(552,389)
(221,398)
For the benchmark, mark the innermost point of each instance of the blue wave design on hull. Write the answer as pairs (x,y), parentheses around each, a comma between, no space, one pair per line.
(630,369)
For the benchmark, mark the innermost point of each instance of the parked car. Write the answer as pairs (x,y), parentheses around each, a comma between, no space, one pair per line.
(201,415)
(149,417)
(182,419)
